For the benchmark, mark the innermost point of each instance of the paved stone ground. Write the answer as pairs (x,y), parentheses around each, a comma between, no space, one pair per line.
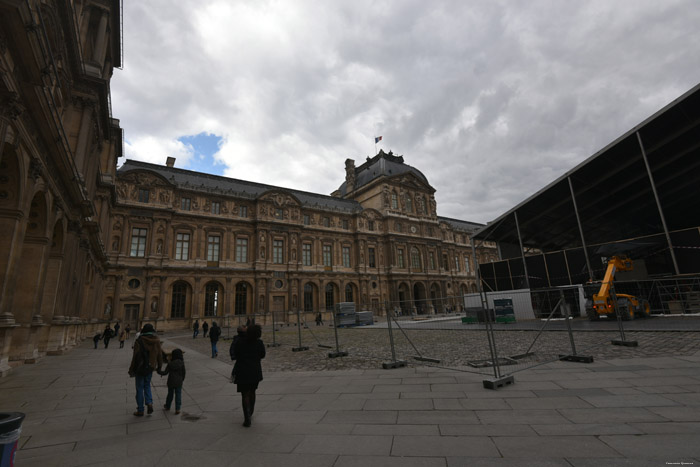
(617,411)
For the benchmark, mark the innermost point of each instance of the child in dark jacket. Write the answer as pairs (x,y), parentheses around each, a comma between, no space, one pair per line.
(176,375)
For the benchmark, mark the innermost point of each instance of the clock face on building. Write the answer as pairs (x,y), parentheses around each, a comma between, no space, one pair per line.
(413,229)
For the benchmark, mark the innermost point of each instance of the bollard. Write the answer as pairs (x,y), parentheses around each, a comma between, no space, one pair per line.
(10,428)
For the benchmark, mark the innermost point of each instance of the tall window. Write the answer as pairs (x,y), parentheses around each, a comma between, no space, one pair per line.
(348,293)
(279,213)
(371,257)
(182,247)
(185,204)
(409,203)
(394,201)
(346,256)
(327,255)
(445,264)
(457,263)
(215,207)
(277,251)
(138,242)
(143,195)
(211,299)
(467,268)
(330,299)
(241,299)
(370,225)
(241,250)
(431,257)
(326,222)
(415,259)
(398,227)
(243,211)
(401,262)
(307,219)
(346,225)
(306,254)
(177,310)
(213,243)
(308,297)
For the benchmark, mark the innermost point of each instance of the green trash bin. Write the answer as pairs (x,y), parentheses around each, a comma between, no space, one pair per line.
(10,428)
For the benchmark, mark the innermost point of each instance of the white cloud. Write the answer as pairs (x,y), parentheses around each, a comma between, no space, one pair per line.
(490,100)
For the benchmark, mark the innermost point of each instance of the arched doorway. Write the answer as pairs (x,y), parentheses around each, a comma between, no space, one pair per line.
(404,299)
(212,299)
(240,306)
(30,274)
(419,299)
(53,273)
(435,297)
(309,294)
(349,293)
(180,300)
(330,295)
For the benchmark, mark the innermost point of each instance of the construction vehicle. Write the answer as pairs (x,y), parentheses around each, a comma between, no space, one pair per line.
(603,304)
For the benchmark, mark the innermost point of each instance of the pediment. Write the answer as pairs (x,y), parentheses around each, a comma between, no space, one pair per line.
(144,178)
(409,180)
(279,198)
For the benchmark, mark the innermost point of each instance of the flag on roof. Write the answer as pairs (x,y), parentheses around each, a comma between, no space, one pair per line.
(377,139)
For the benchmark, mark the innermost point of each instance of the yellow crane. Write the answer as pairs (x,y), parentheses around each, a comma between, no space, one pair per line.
(602,303)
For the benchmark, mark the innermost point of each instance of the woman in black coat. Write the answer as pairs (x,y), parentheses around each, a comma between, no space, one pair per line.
(249,350)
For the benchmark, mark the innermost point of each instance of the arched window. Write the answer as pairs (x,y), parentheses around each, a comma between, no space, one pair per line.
(241,300)
(415,259)
(330,299)
(308,297)
(177,309)
(348,293)
(211,299)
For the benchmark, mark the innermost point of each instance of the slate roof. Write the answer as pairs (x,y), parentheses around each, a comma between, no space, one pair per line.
(470,227)
(198,181)
(382,164)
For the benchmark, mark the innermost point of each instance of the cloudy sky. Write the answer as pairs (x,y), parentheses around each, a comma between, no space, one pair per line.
(491,100)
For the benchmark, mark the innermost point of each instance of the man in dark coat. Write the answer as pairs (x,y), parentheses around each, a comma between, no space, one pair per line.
(148,356)
(205,328)
(195,328)
(214,334)
(249,350)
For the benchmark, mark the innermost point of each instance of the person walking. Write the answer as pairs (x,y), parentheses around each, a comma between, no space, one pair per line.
(96,338)
(214,338)
(249,350)
(319,319)
(205,328)
(122,338)
(176,375)
(128,331)
(107,335)
(148,356)
(195,329)
(116,329)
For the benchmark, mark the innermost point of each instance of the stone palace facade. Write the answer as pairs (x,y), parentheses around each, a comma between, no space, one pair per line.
(186,245)
(83,244)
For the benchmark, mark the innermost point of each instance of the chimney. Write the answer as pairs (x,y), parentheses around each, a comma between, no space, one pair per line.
(170,161)
(349,175)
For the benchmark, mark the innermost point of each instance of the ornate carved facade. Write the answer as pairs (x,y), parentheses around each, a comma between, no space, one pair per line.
(58,152)
(186,245)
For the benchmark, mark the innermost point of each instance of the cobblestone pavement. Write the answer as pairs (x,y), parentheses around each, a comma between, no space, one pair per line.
(369,347)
